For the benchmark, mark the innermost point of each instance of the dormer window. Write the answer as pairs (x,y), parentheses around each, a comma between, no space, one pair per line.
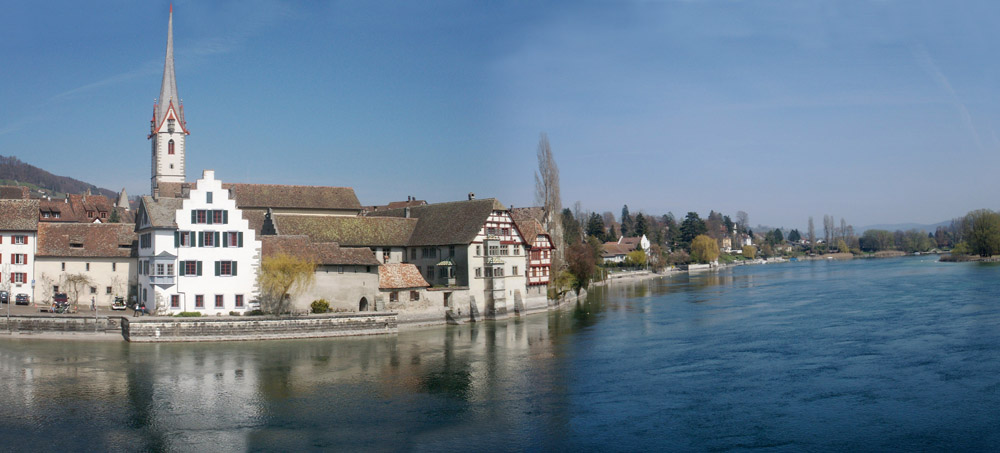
(170,128)
(170,144)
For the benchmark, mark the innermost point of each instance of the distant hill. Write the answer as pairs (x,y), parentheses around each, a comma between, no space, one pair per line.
(13,172)
(905,227)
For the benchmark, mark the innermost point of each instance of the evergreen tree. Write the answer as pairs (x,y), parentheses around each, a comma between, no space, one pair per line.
(690,228)
(640,225)
(794,236)
(612,235)
(595,226)
(115,217)
(571,228)
(626,222)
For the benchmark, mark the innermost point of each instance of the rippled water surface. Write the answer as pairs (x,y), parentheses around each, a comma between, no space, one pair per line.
(900,354)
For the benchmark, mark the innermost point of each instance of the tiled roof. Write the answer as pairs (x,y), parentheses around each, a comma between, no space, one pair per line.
(90,240)
(162,211)
(400,276)
(534,212)
(75,208)
(456,222)
(255,218)
(175,189)
(327,253)
(348,231)
(529,228)
(610,249)
(19,215)
(263,196)
(631,242)
(14,192)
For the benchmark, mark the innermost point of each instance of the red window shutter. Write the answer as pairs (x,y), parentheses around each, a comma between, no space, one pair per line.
(26,240)
(12,277)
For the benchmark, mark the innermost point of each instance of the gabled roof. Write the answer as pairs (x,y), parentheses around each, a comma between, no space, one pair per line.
(278,196)
(14,192)
(348,231)
(529,228)
(74,208)
(610,249)
(400,276)
(162,212)
(456,222)
(19,215)
(90,240)
(324,253)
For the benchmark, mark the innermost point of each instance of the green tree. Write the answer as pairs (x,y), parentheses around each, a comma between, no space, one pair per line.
(115,217)
(640,225)
(636,258)
(581,263)
(690,228)
(982,232)
(595,226)
(704,249)
(794,236)
(571,228)
(612,234)
(281,277)
(842,246)
(749,251)
(626,222)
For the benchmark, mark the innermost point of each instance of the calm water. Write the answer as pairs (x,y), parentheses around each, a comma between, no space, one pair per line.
(899,354)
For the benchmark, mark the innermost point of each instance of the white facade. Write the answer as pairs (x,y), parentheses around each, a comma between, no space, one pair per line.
(17,262)
(109,278)
(206,263)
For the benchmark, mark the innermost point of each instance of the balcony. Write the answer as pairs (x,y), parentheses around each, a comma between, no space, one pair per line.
(162,280)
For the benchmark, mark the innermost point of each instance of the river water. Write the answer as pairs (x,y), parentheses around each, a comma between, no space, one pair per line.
(895,354)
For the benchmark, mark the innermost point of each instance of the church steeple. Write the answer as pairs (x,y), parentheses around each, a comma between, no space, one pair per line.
(168,128)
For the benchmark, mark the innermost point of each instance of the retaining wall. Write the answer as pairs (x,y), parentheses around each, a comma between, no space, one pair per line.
(163,329)
(28,324)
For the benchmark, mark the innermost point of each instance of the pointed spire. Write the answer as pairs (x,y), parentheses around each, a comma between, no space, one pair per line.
(168,89)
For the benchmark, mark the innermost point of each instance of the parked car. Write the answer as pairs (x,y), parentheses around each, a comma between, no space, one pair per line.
(119,303)
(21,299)
(60,297)
(4,297)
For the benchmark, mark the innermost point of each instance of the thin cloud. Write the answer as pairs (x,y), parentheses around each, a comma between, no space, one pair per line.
(931,68)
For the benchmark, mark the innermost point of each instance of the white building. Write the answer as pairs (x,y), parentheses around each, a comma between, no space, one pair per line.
(18,234)
(196,253)
(85,260)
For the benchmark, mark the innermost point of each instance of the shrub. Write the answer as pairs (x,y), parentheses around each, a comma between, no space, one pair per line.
(320,306)
(188,314)
(257,312)
(234,313)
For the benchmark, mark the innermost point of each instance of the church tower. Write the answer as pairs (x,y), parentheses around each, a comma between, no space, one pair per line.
(167,130)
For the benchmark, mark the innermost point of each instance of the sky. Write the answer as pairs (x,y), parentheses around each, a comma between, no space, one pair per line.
(873,111)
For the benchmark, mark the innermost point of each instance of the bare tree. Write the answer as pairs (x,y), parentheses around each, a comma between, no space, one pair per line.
(827,229)
(76,283)
(812,233)
(843,230)
(547,195)
(47,287)
(743,220)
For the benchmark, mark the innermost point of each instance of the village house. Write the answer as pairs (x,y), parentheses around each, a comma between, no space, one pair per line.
(85,261)
(196,253)
(404,291)
(540,249)
(18,242)
(346,277)
(386,237)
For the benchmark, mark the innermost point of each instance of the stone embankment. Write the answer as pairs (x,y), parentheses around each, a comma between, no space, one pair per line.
(41,324)
(169,329)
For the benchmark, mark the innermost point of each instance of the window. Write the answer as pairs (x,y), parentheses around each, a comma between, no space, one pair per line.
(479,250)
(200,216)
(170,269)
(239,301)
(114,267)
(218,301)
(217,217)
(489,272)
(479,272)
(208,197)
(414,296)
(505,250)
(385,256)
(146,240)
(498,272)
(55,288)
(505,231)
(191,268)
(107,290)
(424,252)
(19,239)
(394,296)
(90,214)
(104,215)
(340,269)
(175,301)
(185,239)
(144,294)
(430,272)
(19,258)
(225,268)
(209,239)
(232,239)
(494,250)
(413,254)
(451,251)
(199,301)
(18,277)
(93,290)
(88,267)
(170,144)
(170,128)
(63,266)
(513,270)
(517,249)
(145,267)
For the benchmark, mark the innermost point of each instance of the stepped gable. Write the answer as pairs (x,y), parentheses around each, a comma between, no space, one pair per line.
(87,240)
(14,193)
(400,276)
(19,215)
(278,196)
(162,212)
(348,231)
(324,253)
(456,222)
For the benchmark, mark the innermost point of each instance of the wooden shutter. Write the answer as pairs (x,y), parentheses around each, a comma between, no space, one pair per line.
(216,243)
(183,268)
(194,216)
(218,268)
(201,239)
(177,239)
(198,266)
(25,239)
(234,268)
(209,215)
(225,240)
(239,238)
(225,217)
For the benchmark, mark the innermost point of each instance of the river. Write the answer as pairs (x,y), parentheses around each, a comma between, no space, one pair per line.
(893,354)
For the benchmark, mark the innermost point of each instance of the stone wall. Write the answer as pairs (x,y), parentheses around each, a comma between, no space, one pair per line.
(28,324)
(162,329)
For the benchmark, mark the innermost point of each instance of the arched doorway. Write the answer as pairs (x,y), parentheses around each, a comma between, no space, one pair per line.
(363,305)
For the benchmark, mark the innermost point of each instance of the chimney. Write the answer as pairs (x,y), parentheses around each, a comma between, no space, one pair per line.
(472,196)
(406,212)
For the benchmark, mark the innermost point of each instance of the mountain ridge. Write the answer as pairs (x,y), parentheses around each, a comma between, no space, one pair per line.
(42,183)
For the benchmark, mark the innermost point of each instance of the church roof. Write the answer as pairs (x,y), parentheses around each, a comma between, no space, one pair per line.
(168,88)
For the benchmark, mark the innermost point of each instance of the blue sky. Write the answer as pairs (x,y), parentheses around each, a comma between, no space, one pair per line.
(877,112)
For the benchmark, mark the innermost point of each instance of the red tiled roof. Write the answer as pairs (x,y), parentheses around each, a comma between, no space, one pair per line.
(326,253)
(14,192)
(95,240)
(400,276)
(19,215)
(263,196)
